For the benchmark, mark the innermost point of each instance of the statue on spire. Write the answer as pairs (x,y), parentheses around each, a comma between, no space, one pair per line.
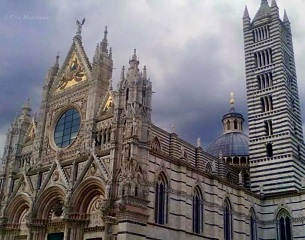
(79,26)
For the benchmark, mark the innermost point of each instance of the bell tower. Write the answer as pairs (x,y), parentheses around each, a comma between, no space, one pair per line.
(276,147)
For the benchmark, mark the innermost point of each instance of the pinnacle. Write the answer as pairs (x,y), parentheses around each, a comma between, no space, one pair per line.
(57,57)
(246,13)
(274,4)
(264,2)
(285,18)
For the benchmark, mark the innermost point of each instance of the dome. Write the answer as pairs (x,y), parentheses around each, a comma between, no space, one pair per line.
(230,144)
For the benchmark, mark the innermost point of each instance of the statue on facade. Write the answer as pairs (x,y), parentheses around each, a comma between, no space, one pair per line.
(79,26)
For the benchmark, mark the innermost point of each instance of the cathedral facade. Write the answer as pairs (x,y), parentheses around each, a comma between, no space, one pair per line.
(92,165)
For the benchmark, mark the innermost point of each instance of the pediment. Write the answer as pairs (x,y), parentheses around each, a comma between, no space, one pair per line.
(107,105)
(75,69)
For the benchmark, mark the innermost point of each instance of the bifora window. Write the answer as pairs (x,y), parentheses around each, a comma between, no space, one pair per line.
(67,128)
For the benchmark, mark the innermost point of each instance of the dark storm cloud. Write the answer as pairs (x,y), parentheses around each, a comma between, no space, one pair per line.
(193,51)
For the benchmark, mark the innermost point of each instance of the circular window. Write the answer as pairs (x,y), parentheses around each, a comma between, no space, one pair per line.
(67,128)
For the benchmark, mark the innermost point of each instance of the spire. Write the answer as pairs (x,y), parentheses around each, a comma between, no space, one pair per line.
(97,47)
(104,43)
(263,12)
(285,18)
(144,72)
(246,13)
(54,70)
(26,106)
(134,62)
(198,143)
(123,73)
(274,9)
(57,58)
(134,56)
(274,4)
(26,109)
(110,84)
(173,128)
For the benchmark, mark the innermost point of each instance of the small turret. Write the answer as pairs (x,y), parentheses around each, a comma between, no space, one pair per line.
(134,62)
(26,108)
(232,121)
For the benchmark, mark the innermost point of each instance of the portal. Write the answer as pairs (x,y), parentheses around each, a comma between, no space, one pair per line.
(56,236)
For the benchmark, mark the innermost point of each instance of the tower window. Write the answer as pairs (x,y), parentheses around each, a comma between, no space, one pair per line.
(228,125)
(268,128)
(263,57)
(267,104)
(269,150)
(264,80)
(197,211)
(161,200)
(261,33)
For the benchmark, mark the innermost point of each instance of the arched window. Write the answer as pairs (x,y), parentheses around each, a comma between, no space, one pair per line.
(197,211)
(269,150)
(228,125)
(227,220)
(235,124)
(208,168)
(161,200)
(253,227)
(284,226)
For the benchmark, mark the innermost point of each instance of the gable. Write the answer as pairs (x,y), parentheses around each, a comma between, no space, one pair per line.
(72,73)
(76,68)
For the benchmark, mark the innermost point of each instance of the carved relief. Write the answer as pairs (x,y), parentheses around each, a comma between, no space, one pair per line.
(74,73)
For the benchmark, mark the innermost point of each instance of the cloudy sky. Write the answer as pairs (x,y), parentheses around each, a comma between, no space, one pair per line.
(193,51)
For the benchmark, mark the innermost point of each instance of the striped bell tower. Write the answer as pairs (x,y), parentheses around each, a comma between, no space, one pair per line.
(276,148)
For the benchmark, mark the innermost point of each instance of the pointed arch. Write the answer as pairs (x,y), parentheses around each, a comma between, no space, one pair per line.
(253,224)
(208,168)
(197,210)
(18,207)
(50,197)
(227,220)
(161,199)
(284,229)
(235,124)
(85,192)
(155,144)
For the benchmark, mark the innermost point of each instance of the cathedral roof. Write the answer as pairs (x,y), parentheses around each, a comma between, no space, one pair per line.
(229,145)
(263,12)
